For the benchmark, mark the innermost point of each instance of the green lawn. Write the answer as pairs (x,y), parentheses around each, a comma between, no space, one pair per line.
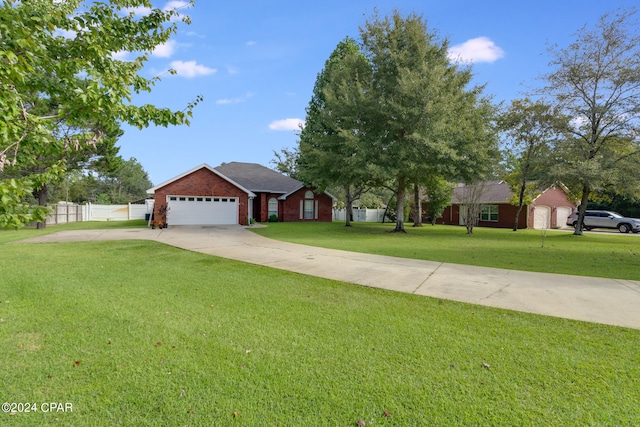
(140,334)
(592,254)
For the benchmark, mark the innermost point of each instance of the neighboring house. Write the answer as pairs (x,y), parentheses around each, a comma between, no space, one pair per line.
(549,209)
(235,193)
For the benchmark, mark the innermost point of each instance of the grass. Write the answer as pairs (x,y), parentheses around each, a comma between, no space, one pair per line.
(140,334)
(137,333)
(592,254)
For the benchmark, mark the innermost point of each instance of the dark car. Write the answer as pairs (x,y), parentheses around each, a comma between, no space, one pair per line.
(605,219)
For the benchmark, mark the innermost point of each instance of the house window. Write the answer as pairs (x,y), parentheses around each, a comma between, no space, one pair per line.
(308,206)
(308,209)
(272,207)
(489,213)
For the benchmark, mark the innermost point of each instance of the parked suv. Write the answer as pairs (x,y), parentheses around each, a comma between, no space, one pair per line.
(606,219)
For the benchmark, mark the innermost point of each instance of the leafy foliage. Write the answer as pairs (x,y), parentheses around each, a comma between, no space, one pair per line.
(596,82)
(62,89)
(439,193)
(530,130)
(334,144)
(425,122)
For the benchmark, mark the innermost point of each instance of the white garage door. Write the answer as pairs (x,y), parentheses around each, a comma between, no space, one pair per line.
(562,213)
(541,217)
(202,210)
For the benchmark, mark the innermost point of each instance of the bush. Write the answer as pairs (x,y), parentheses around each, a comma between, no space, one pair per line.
(273,218)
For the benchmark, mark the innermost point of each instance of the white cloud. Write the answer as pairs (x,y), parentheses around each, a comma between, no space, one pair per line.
(121,55)
(251,43)
(171,5)
(480,49)
(190,69)
(165,50)
(286,124)
(175,4)
(67,34)
(238,100)
(138,11)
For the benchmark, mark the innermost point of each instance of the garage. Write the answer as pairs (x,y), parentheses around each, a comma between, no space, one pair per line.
(202,210)
(541,217)
(562,213)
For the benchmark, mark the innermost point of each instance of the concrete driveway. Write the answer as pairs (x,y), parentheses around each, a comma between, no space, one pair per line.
(601,300)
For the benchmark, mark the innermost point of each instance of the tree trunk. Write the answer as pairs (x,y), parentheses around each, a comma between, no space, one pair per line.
(400,206)
(520,203)
(417,206)
(42,196)
(348,206)
(581,211)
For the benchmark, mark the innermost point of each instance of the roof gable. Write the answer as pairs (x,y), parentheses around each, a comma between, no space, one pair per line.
(202,166)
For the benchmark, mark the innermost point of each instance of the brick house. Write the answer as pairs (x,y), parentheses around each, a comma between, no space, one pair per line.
(235,193)
(549,209)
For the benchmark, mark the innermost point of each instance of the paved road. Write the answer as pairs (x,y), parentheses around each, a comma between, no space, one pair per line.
(601,300)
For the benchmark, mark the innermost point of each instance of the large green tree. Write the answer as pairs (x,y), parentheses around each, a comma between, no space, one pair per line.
(334,144)
(596,82)
(127,183)
(426,121)
(530,130)
(33,160)
(62,54)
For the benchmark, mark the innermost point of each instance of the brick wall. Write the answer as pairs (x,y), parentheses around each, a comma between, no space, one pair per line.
(291,207)
(506,217)
(261,206)
(203,182)
(554,198)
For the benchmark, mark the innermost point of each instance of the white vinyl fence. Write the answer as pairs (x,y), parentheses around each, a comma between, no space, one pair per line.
(360,215)
(63,213)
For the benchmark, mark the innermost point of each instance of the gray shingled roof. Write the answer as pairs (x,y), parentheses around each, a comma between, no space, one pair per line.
(493,192)
(257,178)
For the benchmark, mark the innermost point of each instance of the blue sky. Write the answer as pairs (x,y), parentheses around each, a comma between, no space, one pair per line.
(255,64)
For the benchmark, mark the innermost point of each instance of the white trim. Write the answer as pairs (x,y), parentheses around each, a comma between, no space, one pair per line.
(206,166)
(284,196)
(277,210)
(489,209)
